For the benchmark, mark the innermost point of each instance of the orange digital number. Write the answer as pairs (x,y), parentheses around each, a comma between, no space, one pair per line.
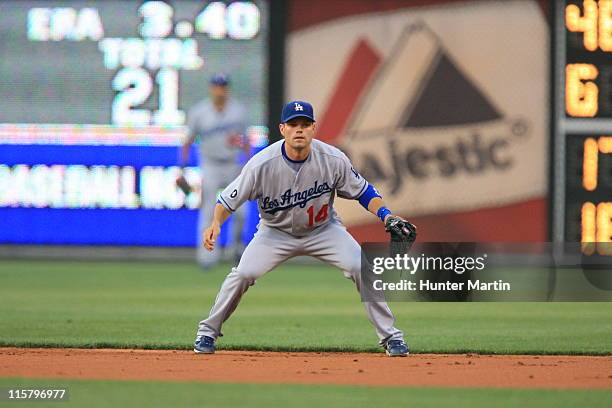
(580,93)
(595,23)
(586,24)
(596,225)
(590,162)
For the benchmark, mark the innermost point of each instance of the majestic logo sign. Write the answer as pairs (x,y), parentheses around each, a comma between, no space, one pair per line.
(439,125)
(451,117)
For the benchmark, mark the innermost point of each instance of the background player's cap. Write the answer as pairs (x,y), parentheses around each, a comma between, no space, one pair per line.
(220,79)
(296,109)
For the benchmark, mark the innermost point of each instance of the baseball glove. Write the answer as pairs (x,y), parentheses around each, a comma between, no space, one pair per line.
(403,234)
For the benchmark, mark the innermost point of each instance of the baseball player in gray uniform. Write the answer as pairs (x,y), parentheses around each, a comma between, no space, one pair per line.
(218,123)
(295,182)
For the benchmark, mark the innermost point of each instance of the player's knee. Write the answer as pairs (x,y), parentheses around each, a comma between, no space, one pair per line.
(248,273)
(235,275)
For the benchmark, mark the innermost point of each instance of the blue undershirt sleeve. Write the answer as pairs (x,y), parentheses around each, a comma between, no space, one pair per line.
(367,196)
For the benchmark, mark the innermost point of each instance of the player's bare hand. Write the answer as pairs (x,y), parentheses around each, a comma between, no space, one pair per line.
(210,236)
(183,184)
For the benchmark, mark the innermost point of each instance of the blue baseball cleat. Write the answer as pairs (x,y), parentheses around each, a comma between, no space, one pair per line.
(397,348)
(204,345)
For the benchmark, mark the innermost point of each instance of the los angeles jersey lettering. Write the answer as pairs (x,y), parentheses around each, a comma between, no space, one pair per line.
(295,202)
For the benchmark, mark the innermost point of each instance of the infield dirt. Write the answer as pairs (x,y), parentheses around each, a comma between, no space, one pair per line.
(452,370)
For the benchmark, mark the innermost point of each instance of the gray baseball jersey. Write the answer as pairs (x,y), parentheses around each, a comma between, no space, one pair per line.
(213,129)
(296,202)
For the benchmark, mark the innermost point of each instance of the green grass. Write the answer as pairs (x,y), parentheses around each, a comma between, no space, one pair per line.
(158,305)
(93,394)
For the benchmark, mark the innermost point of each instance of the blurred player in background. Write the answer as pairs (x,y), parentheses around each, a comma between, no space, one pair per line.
(218,124)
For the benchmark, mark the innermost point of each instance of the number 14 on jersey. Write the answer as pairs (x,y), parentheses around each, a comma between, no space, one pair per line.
(321,215)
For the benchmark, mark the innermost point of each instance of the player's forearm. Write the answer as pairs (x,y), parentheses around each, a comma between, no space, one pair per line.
(220,215)
(375,205)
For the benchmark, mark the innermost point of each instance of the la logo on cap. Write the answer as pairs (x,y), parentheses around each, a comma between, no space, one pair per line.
(298,107)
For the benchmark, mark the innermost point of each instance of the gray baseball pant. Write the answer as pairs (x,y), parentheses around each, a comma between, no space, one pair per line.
(270,247)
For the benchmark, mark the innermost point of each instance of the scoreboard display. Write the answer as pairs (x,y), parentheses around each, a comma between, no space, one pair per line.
(582,124)
(93,110)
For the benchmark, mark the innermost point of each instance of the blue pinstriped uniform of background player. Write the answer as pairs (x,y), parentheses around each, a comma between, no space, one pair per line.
(295,182)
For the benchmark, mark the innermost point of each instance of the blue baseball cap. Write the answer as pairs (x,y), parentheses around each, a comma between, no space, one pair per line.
(220,79)
(297,109)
